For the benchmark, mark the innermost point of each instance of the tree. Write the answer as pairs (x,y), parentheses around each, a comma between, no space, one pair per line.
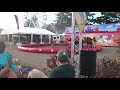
(64,19)
(90,16)
(108,17)
(49,27)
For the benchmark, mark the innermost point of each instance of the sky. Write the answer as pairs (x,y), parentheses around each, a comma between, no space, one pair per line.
(97,14)
(7,19)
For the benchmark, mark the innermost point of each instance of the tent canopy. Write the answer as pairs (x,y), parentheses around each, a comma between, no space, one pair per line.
(27,30)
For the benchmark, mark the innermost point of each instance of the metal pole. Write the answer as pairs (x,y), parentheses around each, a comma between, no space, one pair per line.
(49,38)
(18,37)
(31,38)
(13,39)
(81,19)
(41,38)
(80,48)
(72,39)
(8,38)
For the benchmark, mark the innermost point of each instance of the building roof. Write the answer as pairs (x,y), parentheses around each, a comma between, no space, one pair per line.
(27,30)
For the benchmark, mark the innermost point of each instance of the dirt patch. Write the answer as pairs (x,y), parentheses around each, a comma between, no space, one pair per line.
(38,60)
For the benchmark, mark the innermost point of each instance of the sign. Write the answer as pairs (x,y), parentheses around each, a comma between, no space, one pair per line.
(102,28)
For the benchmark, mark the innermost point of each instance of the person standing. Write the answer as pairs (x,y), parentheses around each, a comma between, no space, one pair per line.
(94,42)
(8,68)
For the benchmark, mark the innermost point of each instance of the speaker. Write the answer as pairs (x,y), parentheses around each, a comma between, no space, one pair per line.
(87,63)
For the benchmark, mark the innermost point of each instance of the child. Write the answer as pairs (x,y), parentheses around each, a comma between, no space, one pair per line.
(5,61)
(94,42)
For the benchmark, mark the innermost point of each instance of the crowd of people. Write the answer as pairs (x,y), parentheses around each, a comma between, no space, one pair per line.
(8,68)
(88,42)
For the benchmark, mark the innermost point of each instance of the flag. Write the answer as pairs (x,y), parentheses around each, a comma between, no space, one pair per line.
(81,19)
(17,21)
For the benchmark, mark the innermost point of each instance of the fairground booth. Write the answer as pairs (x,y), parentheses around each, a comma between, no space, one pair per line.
(105,34)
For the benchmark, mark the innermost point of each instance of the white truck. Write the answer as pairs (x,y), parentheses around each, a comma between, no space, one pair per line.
(60,38)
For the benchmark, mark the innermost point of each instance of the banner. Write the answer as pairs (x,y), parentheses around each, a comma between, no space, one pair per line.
(100,28)
(81,19)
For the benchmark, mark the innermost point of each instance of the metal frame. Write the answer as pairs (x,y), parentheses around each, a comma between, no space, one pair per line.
(80,17)
(42,18)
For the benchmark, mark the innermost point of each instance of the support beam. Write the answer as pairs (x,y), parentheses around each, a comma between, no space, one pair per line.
(49,38)
(31,38)
(41,38)
(8,39)
(13,39)
(81,20)
(72,39)
(18,37)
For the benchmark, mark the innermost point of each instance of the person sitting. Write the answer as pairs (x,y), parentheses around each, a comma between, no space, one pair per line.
(64,69)
(24,72)
(35,73)
(84,43)
(32,73)
(8,68)
(89,42)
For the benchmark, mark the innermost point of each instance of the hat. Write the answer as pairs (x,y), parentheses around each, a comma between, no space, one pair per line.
(35,73)
(26,70)
(63,56)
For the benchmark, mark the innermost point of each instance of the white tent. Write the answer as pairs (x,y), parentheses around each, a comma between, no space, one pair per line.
(27,30)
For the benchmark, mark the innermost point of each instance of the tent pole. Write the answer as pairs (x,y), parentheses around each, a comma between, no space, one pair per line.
(18,37)
(41,38)
(13,39)
(8,39)
(49,38)
(31,38)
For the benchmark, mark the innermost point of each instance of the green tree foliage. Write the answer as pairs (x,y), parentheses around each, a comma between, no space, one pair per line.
(107,17)
(90,16)
(48,27)
(64,19)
